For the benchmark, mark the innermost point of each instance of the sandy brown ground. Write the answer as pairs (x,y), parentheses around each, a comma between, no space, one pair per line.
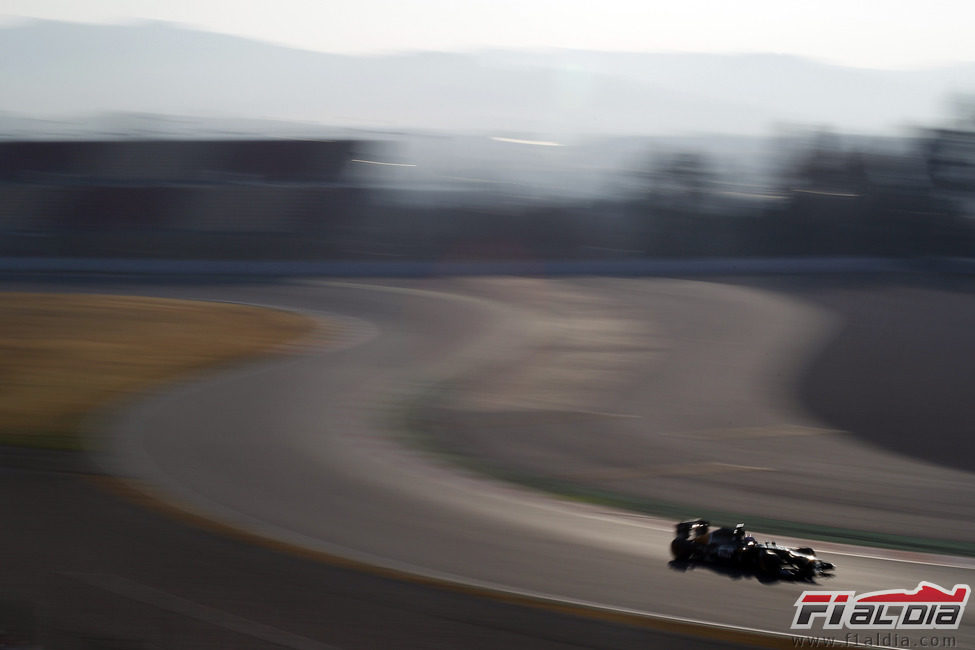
(62,355)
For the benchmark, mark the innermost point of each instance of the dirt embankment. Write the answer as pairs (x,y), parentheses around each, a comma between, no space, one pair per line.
(901,372)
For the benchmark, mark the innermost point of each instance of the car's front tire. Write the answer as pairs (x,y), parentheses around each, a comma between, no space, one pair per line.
(769,565)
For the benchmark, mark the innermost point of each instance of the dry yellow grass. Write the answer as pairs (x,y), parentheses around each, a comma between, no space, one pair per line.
(62,355)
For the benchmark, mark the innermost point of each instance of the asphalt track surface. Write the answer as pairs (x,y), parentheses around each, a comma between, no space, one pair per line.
(701,377)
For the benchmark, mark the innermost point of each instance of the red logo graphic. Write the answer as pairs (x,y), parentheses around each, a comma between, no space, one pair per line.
(927,607)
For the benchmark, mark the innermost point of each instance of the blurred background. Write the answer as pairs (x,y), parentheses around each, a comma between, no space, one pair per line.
(417,134)
(539,130)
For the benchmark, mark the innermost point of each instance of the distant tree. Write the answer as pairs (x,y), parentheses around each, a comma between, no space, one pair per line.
(963,111)
(950,153)
(680,180)
(825,167)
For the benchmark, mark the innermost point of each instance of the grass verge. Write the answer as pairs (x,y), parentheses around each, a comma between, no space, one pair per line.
(63,355)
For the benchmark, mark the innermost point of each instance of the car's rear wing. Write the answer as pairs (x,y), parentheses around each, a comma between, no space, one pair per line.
(684,528)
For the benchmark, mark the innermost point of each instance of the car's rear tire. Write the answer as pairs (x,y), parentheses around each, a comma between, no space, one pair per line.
(681,549)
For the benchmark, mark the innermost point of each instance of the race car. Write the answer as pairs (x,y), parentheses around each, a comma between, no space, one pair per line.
(697,541)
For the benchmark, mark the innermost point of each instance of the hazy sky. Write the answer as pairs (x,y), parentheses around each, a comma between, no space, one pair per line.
(869,33)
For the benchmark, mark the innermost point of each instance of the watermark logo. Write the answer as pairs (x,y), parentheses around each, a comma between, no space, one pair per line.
(928,607)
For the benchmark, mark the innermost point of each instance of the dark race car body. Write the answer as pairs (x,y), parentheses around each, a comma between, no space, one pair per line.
(697,541)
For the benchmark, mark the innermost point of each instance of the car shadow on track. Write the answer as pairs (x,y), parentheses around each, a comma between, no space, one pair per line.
(740,573)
